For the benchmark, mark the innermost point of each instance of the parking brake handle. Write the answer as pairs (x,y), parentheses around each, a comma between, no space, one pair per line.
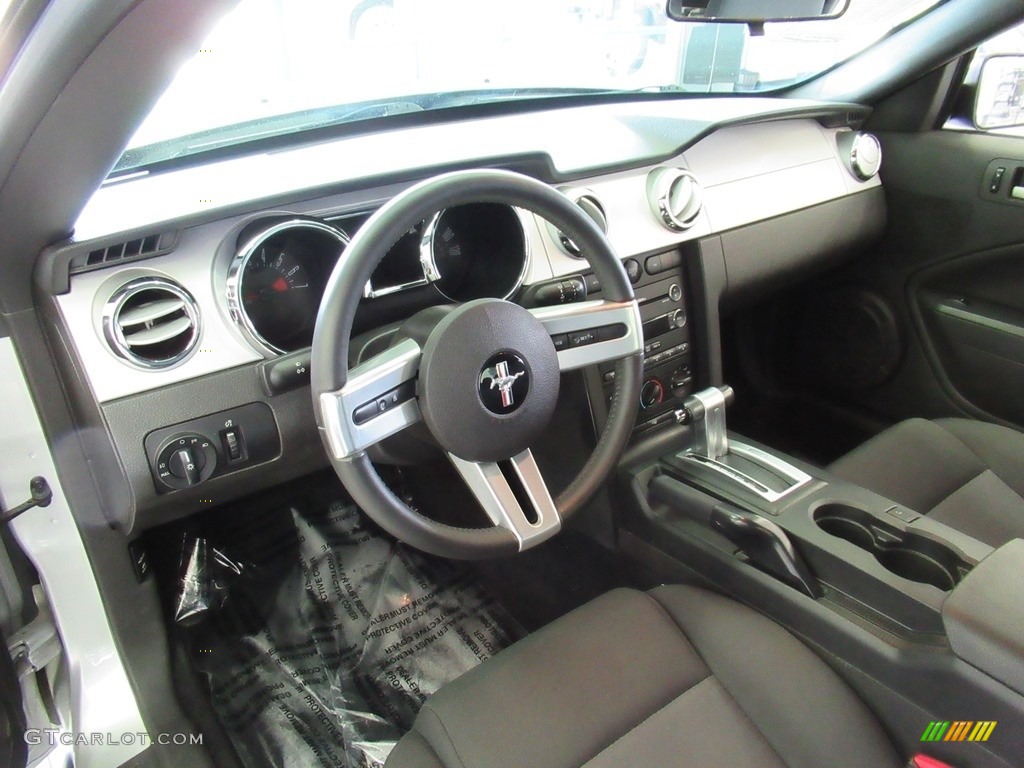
(766,545)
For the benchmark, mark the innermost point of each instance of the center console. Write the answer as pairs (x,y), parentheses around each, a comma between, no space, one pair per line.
(925,619)
(894,566)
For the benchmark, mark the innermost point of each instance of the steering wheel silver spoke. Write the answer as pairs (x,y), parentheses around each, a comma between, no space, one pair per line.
(378,400)
(490,484)
(592,332)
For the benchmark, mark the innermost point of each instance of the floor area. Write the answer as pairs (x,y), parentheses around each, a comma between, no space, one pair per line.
(314,637)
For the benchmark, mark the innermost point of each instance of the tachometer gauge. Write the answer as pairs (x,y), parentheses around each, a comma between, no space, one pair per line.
(276,297)
(277,279)
(268,277)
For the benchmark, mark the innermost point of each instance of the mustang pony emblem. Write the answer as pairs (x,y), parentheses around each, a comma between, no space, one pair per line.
(502,379)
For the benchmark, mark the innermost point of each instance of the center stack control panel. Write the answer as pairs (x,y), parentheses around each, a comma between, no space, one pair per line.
(661,291)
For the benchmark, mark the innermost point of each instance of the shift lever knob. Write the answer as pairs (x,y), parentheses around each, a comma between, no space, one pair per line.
(693,406)
(705,410)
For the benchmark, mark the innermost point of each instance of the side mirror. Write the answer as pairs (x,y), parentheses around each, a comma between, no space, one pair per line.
(999,102)
(754,11)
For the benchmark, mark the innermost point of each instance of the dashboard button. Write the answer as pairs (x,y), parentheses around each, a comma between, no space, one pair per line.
(364,412)
(561,341)
(609,332)
(906,515)
(662,262)
(633,270)
(386,402)
(582,338)
(231,440)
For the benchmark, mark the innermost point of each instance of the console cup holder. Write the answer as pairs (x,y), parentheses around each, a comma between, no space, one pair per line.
(904,553)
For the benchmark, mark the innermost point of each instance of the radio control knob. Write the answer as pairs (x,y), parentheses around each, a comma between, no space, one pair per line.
(677,319)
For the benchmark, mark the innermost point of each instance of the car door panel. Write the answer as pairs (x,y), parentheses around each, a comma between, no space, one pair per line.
(952,266)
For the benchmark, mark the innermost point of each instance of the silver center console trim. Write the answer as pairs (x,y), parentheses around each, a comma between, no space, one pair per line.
(778,466)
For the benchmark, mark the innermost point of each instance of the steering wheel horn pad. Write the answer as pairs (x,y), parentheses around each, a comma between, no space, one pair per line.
(488,380)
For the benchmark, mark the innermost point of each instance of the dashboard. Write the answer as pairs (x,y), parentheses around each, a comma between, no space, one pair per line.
(188,323)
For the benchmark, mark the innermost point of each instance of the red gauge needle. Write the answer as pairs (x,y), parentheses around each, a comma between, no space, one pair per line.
(280,285)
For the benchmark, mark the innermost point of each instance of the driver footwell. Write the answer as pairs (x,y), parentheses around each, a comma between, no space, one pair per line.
(317,636)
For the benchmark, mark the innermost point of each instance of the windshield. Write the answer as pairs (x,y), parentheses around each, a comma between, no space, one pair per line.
(277,67)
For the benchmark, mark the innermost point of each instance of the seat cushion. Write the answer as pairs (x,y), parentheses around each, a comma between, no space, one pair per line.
(966,474)
(677,676)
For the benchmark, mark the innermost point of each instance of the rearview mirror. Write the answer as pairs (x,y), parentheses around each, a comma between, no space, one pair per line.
(1000,96)
(755,11)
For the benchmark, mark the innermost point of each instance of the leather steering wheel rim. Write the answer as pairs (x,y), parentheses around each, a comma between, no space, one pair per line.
(331,339)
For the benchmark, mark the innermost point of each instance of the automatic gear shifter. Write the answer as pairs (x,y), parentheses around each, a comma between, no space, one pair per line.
(705,410)
(736,464)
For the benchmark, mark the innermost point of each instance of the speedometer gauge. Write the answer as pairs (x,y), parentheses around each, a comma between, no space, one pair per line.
(476,250)
(277,279)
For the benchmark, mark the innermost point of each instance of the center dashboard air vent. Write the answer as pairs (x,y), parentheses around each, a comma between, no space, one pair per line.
(592,206)
(675,196)
(151,323)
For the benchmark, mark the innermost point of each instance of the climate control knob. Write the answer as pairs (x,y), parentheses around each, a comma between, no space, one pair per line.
(651,394)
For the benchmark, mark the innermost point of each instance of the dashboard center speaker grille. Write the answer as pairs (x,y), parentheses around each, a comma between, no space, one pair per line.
(151,323)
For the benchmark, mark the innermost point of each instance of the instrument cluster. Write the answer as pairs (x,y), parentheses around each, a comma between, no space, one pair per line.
(281,266)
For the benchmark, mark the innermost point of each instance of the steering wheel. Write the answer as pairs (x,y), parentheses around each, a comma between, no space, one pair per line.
(483,378)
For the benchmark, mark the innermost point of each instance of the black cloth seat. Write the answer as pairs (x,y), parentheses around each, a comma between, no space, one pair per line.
(966,474)
(675,677)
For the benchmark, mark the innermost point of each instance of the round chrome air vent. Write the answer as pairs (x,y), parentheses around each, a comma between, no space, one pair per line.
(864,156)
(591,206)
(675,196)
(151,323)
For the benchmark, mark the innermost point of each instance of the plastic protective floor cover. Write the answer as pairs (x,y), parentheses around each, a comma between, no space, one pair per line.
(320,638)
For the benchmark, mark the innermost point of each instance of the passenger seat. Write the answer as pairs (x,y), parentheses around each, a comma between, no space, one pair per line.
(964,473)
